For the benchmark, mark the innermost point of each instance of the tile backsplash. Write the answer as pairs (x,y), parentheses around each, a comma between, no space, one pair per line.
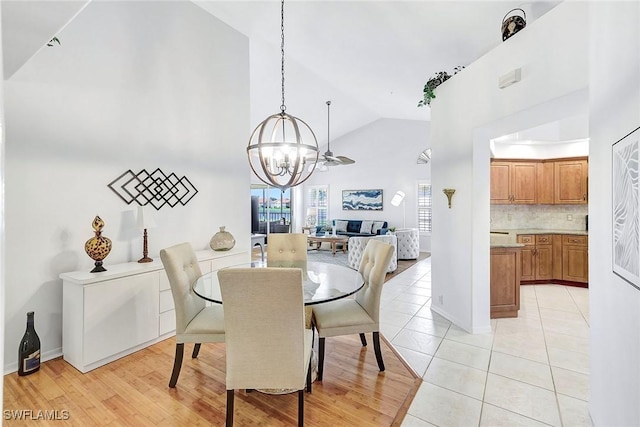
(539,216)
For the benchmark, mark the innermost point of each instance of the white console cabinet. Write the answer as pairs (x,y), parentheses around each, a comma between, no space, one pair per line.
(108,315)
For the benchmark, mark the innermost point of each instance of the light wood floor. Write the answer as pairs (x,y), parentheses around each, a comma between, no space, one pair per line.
(133,391)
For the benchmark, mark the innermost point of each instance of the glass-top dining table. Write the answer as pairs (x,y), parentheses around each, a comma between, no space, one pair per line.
(322,282)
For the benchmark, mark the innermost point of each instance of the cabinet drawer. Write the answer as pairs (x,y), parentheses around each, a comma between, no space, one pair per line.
(569,239)
(167,322)
(166,301)
(543,239)
(229,261)
(527,239)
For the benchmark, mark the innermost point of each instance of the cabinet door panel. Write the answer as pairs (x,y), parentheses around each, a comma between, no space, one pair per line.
(500,191)
(505,282)
(575,264)
(523,183)
(120,314)
(527,263)
(544,183)
(544,262)
(570,182)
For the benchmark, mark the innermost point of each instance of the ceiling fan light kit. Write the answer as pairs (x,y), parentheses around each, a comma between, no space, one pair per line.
(283,150)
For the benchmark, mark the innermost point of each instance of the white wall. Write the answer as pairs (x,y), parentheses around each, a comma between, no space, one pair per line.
(385,152)
(2,251)
(614,304)
(470,110)
(134,85)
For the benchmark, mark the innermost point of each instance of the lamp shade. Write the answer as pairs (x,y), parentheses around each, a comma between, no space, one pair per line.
(145,218)
(312,211)
(398,198)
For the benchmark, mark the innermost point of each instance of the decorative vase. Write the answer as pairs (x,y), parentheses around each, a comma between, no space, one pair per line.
(98,247)
(222,240)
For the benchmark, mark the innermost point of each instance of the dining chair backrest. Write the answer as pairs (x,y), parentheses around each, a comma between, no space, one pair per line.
(182,268)
(373,267)
(264,326)
(286,247)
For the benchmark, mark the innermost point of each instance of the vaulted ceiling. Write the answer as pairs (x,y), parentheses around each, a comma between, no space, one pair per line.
(371,58)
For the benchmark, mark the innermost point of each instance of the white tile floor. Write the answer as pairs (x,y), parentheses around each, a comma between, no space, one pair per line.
(530,371)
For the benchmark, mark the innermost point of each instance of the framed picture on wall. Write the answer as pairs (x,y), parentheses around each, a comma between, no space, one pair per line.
(626,208)
(361,200)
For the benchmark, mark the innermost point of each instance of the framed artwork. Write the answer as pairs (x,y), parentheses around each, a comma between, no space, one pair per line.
(361,200)
(626,208)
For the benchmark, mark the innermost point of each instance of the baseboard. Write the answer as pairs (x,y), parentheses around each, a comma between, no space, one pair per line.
(47,355)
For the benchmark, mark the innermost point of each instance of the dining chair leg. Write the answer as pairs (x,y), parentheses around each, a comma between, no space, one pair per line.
(320,357)
(363,340)
(376,347)
(230,396)
(196,350)
(309,377)
(177,364)
(300,408)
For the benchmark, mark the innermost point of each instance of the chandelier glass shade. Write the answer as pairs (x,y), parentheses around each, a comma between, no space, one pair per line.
(283,150)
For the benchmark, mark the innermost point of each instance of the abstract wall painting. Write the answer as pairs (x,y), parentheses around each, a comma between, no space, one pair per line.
(361,200)
(626,208)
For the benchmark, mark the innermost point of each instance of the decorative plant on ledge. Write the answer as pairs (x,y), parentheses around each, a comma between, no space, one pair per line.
(433,83)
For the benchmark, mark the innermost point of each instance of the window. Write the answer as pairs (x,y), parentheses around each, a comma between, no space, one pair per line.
(424,207)
(274,204)
(318,197)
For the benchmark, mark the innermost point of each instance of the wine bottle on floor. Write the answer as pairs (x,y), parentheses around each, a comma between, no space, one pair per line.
(29,350)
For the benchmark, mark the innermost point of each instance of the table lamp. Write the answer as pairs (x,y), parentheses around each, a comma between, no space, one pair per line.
(312,214)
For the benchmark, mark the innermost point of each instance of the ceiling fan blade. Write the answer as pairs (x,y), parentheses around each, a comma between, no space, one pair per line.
(345,160)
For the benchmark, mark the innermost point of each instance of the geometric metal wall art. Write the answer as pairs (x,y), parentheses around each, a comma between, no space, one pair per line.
(156,189)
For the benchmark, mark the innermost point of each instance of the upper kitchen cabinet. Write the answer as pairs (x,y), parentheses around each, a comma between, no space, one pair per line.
(550,181)
(570,181)
(513,182)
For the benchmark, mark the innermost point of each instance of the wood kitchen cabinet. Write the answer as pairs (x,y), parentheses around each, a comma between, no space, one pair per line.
(513,182)
(505,282)
(575,258)
(570,181)
(554,258)
(536,257)
(549,181)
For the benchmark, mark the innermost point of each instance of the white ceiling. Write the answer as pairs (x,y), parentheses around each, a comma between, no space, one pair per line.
(371,58)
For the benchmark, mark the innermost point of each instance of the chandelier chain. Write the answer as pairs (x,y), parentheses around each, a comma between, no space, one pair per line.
(283,107)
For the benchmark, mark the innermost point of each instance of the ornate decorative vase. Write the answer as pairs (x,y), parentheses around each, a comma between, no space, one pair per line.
(98,247)
(222,240)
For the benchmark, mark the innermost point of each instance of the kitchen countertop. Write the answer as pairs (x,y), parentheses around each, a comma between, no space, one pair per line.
(507,238)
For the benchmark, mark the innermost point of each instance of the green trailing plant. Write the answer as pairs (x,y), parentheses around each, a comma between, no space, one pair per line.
(428,93)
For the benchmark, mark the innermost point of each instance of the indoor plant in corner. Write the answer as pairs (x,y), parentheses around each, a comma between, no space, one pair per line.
(428,92)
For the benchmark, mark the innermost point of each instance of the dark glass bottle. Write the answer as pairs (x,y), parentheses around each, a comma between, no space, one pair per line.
(29,350)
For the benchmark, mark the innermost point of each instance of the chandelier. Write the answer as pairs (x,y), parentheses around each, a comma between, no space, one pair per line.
(283,150)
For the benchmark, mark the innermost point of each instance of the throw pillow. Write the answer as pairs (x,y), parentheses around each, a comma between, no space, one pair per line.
(377,225)
(341,226)
(365,228)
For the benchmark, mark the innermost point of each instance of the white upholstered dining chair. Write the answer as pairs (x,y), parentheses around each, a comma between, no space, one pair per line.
(268,346)
(361,314)
(287,248)
(195,322)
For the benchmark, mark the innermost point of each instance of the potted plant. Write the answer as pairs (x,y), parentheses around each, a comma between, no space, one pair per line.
(428,92)
(392,230)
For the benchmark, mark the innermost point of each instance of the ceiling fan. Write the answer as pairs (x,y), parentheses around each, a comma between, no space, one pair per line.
(328,159)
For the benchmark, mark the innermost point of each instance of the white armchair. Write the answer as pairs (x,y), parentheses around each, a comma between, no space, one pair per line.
(357,245)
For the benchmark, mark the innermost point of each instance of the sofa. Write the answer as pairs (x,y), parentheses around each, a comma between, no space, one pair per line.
(356,228)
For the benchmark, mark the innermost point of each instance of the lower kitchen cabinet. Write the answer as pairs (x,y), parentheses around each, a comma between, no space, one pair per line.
(575,259)
(536,256)
(505,282)
(554,257)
